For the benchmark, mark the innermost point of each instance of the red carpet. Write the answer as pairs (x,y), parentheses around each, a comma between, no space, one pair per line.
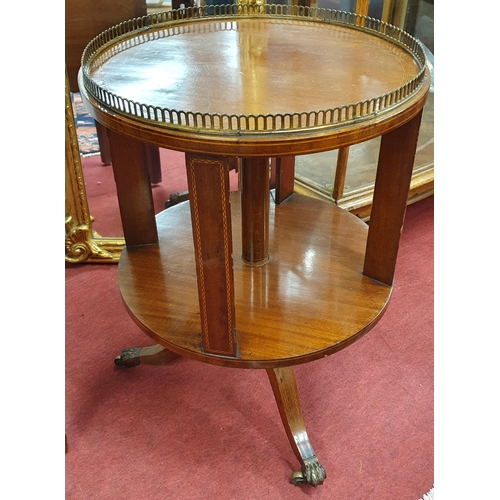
(194,431)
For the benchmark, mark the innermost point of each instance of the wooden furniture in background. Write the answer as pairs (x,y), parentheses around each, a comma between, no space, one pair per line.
(85,19)
(232,279)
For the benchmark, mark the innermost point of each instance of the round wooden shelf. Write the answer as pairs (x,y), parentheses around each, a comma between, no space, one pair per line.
(310,300)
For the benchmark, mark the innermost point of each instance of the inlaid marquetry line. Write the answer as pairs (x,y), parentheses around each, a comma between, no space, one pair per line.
(227,253)
(199,258)
(193,164)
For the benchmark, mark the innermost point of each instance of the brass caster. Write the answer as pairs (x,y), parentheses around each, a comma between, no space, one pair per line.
(312,473)
(298,478)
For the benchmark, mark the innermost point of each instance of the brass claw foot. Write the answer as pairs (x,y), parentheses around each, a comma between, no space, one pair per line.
(128,358)
(286,395)
(312,473)
(150,355)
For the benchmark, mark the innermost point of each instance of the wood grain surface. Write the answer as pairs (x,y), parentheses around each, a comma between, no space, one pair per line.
(310,300)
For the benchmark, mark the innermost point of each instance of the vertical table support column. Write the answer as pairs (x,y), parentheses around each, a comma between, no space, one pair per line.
(208,183)
(340,173)
(392,183)
(133,187)
(254,184)
(285,177)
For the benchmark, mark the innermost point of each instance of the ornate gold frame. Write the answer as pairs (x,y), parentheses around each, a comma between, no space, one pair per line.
(83,244)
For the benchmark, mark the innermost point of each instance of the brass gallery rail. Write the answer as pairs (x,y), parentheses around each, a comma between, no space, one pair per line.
(171,23)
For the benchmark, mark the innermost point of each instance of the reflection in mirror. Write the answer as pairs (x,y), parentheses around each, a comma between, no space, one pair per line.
(347,177)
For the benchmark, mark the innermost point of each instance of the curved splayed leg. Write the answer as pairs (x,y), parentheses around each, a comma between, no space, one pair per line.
(286,395)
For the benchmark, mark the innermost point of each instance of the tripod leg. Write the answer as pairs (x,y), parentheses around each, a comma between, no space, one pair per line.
(286,395)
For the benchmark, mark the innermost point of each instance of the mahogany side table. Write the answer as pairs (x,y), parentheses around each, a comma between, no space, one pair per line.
(256,278)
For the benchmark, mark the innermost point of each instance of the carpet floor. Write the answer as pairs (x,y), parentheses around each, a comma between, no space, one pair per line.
(193,431)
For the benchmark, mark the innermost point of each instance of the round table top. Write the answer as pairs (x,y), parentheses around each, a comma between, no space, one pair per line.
(243,74)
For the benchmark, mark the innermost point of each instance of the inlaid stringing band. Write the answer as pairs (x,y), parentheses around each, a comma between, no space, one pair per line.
(199,258)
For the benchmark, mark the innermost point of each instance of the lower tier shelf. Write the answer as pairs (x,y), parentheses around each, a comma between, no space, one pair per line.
(310,299)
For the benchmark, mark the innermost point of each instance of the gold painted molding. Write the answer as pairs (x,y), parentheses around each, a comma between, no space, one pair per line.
(82,243)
